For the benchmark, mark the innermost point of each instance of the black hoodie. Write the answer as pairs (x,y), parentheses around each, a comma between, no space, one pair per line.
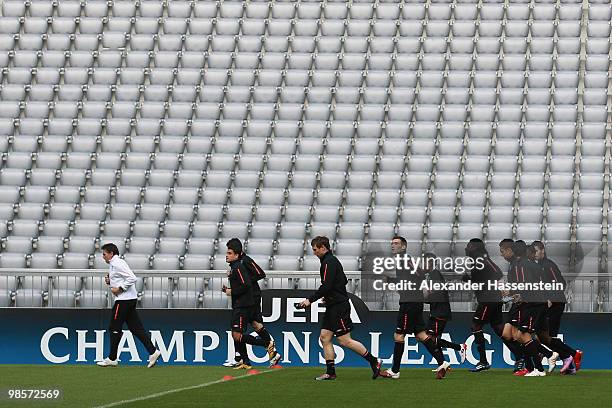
(256,273)
(490,272)
(333,281)
(552,273)
(242,288)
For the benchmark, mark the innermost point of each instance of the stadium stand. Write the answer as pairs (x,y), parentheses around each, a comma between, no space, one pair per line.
(168,127)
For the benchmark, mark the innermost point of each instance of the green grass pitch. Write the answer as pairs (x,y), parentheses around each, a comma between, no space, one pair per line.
(91,386)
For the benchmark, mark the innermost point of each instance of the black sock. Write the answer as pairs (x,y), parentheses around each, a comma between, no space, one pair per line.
(560,347)
(546,352)
(263,333)
(519,354)
(254,341)
(398,352)
(480,346)
(448,344)
(514,347)
(244,355)
(434,350)
(531,350)
(529,363)
(537,363)
(331,367)
(115,338)
(370,359)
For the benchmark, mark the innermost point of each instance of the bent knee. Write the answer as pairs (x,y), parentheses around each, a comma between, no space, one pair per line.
(344,341)
(325,339)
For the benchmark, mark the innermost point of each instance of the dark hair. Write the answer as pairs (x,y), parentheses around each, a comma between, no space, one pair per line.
(320,241)
(404,242)
(506,243)
(519,248)
(110,247)
(235,245)
(531,250)
(538,244)
(475,247)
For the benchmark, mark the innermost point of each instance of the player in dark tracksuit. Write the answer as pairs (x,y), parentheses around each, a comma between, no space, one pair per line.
(505,250)
(439,308)
(410,316)
(244,309)
(489,307)
(256,273)
(554,311)
(337,318)
(526,309)
(534,319)
(542,323)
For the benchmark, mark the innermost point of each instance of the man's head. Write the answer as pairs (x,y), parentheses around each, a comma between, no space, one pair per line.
(398,245)
(505,249)
(108,251)
(519,248)
(234,250)
(320,245)
(540,252)
(475,247)
(531,253)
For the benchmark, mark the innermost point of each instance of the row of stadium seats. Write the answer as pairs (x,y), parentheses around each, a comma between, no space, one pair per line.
(170,254)
(168,134)
(360,10)
(68,291)
(541,113)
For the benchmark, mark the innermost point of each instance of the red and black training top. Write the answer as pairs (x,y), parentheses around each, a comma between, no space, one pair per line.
(242,288)
(333,281)
(553,274)
(489,272)
(439,303)
(256,273)
(522,270)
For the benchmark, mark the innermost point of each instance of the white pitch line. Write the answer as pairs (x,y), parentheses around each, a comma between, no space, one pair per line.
(173,391)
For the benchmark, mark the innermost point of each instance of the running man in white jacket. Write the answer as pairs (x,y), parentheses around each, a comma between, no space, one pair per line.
(122,282)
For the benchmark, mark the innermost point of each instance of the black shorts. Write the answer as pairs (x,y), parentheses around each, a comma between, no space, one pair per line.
(243,316)
(410,318)
(554,313)
(531,318)
(337,319)
(436,325)
(542,322)
(488,313)
(514,314)
(257,315)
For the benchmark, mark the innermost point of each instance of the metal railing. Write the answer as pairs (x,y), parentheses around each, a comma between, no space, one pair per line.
(85,288)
